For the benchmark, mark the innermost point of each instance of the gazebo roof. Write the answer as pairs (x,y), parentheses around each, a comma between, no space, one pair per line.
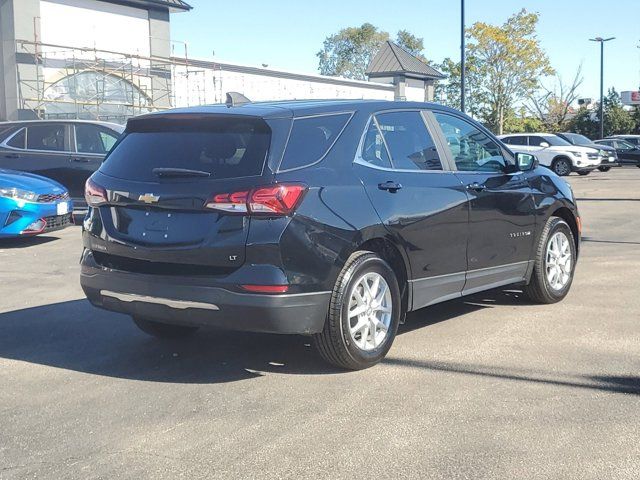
(392,59)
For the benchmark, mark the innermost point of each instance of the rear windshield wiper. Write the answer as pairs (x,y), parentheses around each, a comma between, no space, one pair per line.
(179,172)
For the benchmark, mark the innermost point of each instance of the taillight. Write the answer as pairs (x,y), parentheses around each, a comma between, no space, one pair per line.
(94,194)
(273,200)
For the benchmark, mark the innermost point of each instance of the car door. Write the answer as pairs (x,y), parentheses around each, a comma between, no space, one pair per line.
(40,148)
(92,142)
(501,205)
(627,152)
(419,200)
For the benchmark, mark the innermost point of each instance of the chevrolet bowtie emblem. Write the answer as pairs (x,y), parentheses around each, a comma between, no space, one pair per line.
(149,198)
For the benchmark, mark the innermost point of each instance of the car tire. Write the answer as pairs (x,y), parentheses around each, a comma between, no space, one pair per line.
(163,330)
(541,287)
(338,344)
(561,166)
(604,169)
(584,173)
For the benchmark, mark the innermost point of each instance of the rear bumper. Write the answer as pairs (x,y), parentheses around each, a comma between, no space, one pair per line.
(183,301)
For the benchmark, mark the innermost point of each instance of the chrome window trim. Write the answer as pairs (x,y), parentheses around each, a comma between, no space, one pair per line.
(351,113)
(34,150)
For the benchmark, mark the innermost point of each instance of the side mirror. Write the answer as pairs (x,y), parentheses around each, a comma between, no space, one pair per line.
(526,162)
(544,145)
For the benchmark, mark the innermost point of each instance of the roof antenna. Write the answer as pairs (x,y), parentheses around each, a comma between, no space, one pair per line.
(235,99)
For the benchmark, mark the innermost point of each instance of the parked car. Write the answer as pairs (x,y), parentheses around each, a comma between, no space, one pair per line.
(67,151)
(628,153)
(555,153)
(327,218)
(608,154)
(633,139)
(31,204)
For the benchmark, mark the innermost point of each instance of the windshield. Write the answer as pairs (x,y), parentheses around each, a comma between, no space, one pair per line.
(556,141)
(577,139)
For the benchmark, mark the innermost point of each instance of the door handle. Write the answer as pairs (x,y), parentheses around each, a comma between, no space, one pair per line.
(80,160)
(390,186)
(476,187)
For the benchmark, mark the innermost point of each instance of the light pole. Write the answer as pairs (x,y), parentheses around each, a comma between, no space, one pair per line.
(462,56)
(600,108)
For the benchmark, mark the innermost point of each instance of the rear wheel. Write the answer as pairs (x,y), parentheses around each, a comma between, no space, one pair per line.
(554,263)
(163,330)
(604,169)
(561,166)
(364,314)
(584,172)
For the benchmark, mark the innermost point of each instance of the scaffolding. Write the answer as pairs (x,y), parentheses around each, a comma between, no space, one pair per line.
(58,81)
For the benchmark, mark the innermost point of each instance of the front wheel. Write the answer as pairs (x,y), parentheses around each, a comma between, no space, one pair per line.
(163,330)
(555,260)
(364,314)
(604,169)
(562,167)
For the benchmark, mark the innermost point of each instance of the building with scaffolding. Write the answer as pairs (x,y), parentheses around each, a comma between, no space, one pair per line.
(91,59)
(113,59)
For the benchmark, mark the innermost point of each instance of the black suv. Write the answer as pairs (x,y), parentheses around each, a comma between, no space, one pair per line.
(67,151)
(327,218)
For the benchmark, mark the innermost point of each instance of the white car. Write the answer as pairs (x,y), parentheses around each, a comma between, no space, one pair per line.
(555,152)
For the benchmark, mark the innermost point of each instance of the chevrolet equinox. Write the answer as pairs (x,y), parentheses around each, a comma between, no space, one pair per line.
(326,218)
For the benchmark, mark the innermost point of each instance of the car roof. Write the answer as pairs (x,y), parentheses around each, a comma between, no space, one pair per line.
(623,135)
(526,134)
(299,108)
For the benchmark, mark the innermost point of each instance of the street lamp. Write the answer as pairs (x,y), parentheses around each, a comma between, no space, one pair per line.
(600,110)
(462,56)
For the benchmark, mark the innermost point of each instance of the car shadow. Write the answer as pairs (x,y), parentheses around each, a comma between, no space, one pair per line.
(24,242)
(74,335)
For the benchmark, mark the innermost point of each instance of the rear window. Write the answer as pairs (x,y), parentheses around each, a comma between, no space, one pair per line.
(226,147)
(311,138)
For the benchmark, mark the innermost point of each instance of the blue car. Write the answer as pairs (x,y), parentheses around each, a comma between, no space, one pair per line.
(31,204)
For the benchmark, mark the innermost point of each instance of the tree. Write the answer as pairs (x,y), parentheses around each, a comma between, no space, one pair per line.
(617,120)
(348,52)
(510,61)
(552,105)
(447,91)
(412,44)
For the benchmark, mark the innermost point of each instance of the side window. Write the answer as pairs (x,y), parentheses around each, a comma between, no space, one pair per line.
(46,137)
(518,140)
(472,149)
(311,138)
(19,140)
(374,150)
(93,139)
(109,139)
(408,140)
(536,141)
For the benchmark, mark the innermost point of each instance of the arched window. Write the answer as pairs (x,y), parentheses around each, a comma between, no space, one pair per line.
(94,95)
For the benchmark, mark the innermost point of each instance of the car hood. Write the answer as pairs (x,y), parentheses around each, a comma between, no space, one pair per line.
(29,181)
(606,148)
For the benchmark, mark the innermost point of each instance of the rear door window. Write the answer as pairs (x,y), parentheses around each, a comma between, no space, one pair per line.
(374,152)
(517,140)
(224,146)
(408,140)
(19,140)
(311,139)
(46,137)
(94,139)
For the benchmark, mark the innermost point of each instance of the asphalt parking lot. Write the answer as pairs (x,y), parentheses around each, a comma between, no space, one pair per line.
(488,386)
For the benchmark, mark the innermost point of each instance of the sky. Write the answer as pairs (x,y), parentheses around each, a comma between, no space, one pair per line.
(287,34)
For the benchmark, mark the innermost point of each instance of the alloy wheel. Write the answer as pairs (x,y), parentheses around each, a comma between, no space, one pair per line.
(558,261)
(370,311)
